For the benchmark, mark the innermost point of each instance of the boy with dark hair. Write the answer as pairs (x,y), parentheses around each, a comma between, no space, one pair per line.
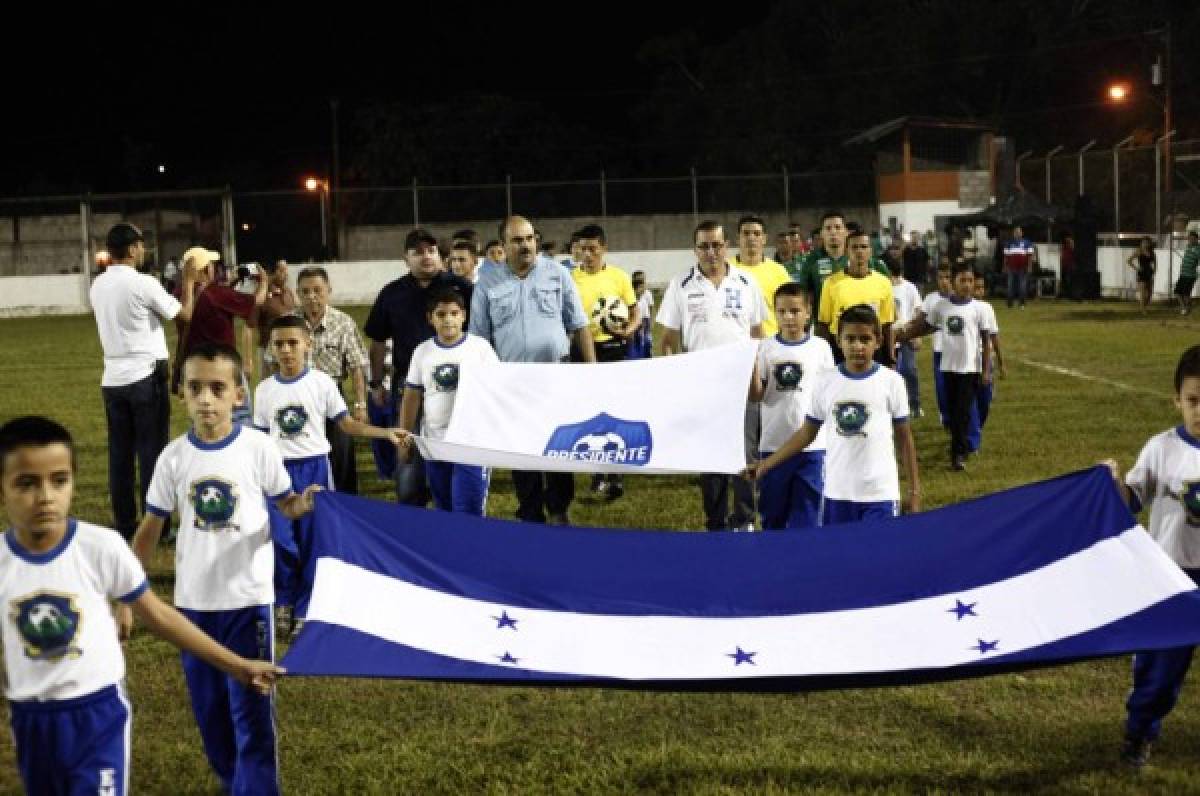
(966,354)
(1166,479)
(219,477)
(786,369)
(868,407)
(291,407)
(431,387)
(641,344)
(65,670)
(1187,273)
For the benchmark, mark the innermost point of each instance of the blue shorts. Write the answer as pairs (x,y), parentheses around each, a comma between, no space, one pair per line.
(789,496)
(836,512)
(236,723)
(458,487)
(76,745)
(294,567)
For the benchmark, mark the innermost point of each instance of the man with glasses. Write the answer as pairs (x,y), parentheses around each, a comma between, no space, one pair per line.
(712,304)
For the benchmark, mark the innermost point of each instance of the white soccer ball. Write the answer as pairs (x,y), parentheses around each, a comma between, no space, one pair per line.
(600,443)
(45,612)
(610,314)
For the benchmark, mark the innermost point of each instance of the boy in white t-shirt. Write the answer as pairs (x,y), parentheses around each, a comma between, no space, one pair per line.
(292,407)
(62,654)
(786,369)
(907,299)
(868,407)
(944,291)
(1166,478)
(432,385)
(986,392)
(219,477)
(641,343)
(965,334)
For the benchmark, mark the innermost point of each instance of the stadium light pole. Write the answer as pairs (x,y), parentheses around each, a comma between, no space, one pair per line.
(321,187)
(1079,154)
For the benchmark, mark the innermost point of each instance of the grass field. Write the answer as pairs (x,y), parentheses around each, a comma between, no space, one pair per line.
(1051,730)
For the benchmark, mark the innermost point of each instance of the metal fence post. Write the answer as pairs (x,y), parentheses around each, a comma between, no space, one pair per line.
(228,239)
(787,195)
(416,204)
(1050,155)
(1086,147)
(695,198)
(603,196)
(85,242)
(1117,190)
(508,194)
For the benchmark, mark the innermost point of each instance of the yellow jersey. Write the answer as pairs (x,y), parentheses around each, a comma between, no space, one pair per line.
(609,281)
(842,291)
(769,275)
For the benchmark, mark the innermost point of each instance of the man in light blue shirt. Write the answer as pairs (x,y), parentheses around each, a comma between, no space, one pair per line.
(529,310)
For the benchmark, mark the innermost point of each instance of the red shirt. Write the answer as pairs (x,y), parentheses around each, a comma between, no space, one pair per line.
(212,318)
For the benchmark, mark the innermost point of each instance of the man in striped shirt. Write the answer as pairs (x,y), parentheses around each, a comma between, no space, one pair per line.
(338,351)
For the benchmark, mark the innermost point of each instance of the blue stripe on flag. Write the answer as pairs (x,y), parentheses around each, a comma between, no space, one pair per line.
(616,572)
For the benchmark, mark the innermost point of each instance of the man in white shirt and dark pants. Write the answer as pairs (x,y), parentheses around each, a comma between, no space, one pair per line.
(712,304)
(130,307)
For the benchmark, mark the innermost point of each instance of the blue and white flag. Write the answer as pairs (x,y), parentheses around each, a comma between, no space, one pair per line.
(1054,571)
(680,414)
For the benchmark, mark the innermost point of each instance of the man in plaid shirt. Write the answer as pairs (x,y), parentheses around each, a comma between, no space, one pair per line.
(338,351)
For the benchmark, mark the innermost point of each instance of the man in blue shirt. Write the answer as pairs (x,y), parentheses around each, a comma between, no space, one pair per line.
(529,310)
(399,315)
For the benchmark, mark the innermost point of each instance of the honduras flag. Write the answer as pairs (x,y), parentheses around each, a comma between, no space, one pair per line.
(1046,573)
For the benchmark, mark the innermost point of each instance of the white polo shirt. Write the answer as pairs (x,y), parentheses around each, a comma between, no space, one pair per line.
(708,315)
(129,308)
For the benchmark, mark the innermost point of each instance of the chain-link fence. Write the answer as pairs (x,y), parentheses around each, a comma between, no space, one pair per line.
(1127,185)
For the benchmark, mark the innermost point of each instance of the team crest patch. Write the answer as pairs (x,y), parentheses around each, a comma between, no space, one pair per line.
(954,324)
(1189,496)
(788,375)
(603,439)
(851,417)
(49,624)
(291,420)
(445,377)
(214,500)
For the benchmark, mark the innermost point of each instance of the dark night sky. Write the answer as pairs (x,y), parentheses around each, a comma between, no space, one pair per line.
(247,91)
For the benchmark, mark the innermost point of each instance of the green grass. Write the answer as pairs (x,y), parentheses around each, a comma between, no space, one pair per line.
(1050,730)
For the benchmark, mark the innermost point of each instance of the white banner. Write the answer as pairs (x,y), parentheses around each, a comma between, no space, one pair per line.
(678,414)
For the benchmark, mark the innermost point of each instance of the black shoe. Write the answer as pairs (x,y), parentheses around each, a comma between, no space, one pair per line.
(1135,751)
(616,489)
(598,484)
(558,519)
(958,464)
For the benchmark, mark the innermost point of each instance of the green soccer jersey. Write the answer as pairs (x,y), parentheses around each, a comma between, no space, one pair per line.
(1191,257)
(794,266)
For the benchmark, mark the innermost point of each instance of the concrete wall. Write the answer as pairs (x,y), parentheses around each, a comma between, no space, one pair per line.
(919,215)
(627,233)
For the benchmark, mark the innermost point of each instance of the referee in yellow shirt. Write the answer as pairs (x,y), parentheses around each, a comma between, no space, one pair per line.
(858,284)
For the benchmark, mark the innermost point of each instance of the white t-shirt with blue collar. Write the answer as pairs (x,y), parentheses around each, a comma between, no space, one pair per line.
(293,412)
(57,629)
(223,554)
(860,409)
(789,369)
(435,370)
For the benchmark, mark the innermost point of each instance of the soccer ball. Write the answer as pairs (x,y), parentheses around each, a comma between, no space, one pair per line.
(610,314)
(599,443)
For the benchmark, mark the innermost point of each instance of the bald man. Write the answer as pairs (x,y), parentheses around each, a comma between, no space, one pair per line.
(529,310)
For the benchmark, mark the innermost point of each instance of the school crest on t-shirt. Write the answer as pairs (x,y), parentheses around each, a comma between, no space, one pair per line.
(48,623)
(445,377)
(214,502)
(788,375)
(850,418)
(1189,496)
(954,324)
(291,421)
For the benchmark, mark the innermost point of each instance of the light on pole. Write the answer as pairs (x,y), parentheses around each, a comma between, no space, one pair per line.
(321,187)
